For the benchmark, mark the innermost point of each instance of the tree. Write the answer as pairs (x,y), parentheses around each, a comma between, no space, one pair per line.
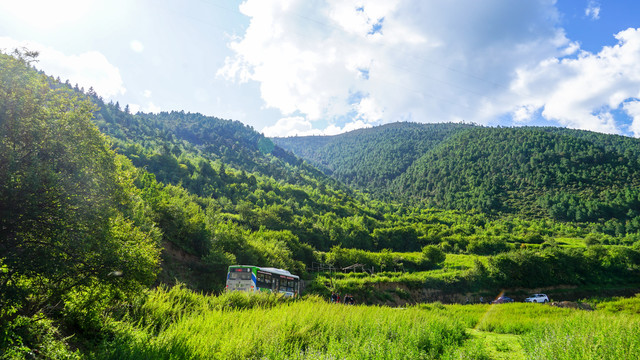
(431,256)
(61,198)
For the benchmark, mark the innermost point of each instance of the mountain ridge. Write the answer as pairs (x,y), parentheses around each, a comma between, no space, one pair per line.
(536,172)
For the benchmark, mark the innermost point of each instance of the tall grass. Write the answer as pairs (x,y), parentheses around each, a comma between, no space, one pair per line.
(179,324)
(629,306)
(520,318)
(586,336)
(311,329)
(164,306)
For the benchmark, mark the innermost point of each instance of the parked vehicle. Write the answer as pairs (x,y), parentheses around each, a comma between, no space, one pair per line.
(537,298)
(254,278)
(502,300)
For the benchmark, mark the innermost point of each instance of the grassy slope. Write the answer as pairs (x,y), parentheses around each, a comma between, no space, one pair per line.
(238,326)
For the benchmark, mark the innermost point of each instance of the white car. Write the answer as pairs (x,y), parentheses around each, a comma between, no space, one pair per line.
(537,298)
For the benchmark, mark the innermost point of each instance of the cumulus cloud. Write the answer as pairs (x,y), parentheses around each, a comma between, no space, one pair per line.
(149,107)
(291,126)
(381,61)
(89,69)
(633,109)
(374,62)
(584,92)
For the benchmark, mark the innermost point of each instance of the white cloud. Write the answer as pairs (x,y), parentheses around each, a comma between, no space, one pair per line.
(150,107)
(134,108)
(136,46)
(299,126)
(47,15)
(89,69)
(369,110)
(354,125)
(291,126)
(593,10)
(583,92)
(633,109)
(524,113)
(383,61)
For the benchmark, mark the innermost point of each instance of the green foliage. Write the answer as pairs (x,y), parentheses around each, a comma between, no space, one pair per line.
(490,246)
(178,324)
(563,174)
(555,266)
(629,306)
(64,203)
(80,226)
(514,171)
(431,256)
(384,260)
(33,338)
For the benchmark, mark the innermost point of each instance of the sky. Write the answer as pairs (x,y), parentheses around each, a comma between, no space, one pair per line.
(323,67)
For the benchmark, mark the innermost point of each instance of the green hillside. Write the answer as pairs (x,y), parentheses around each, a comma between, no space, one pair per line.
(566,175)
(561,174)
(371,159)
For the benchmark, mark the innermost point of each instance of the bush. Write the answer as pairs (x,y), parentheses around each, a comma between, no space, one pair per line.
(431,256)
(33,338)
(487,246)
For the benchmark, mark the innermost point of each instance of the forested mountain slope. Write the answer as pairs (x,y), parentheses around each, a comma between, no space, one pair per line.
(567,175)
(155,140)
(562,174)
(370,159)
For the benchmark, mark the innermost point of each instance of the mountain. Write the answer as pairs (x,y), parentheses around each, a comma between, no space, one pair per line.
(562,174)
(370,159)
(151,140)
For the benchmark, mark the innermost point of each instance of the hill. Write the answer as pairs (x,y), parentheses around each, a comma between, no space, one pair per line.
(370,159)
(561,174)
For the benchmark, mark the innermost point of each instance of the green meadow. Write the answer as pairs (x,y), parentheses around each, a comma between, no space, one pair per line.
(177,323)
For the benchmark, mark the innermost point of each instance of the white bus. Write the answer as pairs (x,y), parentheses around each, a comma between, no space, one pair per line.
(254,278)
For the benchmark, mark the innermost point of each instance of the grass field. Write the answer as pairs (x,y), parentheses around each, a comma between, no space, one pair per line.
(178,324)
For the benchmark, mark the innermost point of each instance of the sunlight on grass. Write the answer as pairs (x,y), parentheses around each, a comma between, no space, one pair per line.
(179,324)
(499,346)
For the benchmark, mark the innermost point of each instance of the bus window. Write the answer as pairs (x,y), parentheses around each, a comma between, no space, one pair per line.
(264,280)
(240,276)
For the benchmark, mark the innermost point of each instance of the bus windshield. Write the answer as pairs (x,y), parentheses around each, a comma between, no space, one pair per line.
(239,276)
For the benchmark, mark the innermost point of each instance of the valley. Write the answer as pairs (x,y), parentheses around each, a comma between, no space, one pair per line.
(117,230)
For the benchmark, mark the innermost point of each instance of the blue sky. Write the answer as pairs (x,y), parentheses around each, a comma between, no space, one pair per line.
(304,67)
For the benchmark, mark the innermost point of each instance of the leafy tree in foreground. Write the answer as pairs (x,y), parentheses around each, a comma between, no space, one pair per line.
(63,202)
